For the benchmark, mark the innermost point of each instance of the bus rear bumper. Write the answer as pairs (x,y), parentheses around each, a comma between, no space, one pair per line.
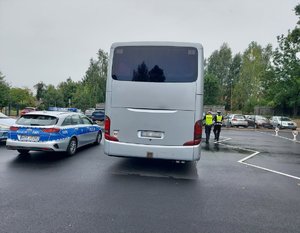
(182,153)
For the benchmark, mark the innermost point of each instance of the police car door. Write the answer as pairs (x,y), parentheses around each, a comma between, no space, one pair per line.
(79,130)
(91,131)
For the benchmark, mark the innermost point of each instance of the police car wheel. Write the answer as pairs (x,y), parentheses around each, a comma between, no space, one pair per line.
(72,147)
(98,138)
(23,152)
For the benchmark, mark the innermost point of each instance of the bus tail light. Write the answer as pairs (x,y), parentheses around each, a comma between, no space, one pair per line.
(107,130)
(197,135)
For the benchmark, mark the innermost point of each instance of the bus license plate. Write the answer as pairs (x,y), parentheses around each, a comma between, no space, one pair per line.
(151,134)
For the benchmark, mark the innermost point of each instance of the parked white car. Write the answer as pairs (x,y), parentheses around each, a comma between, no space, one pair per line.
(89,112)
(283,122)
(5,123)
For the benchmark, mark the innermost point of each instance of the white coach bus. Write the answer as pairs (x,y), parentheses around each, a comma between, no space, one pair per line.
(154,100)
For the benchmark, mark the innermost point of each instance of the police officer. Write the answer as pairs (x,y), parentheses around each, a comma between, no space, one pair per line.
(208,121)
(217,125)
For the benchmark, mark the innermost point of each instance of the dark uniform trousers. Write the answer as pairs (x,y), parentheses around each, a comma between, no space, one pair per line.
(207,132)
(217,130)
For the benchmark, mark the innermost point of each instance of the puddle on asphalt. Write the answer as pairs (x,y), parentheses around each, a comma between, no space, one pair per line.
(215,147)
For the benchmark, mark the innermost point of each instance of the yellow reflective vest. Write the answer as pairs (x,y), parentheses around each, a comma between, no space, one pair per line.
(208,119)
(219,118)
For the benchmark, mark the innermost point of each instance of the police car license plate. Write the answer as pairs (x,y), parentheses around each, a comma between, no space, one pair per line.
(26,138)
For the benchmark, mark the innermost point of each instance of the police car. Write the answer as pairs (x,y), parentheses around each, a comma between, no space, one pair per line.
(52,131)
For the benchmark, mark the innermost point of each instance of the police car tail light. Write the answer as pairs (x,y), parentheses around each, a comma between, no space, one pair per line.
(13,128)
(51,130)
(197,134)
(107,130)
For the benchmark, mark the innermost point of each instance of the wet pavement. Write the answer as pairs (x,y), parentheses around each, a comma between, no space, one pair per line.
(91,192)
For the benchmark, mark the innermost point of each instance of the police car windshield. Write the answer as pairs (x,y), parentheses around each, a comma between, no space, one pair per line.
(37,120)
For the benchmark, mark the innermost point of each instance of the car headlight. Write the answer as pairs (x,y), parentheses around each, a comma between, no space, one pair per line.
(4,127)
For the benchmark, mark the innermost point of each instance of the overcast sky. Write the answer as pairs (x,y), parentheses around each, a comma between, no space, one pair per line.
(52,40)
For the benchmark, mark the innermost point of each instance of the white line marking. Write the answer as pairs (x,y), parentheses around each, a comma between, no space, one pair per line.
(242,161)
(269,170)
(278,136)
(226,139)
(248,157)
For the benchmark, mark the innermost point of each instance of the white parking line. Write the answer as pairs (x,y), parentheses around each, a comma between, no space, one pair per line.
(270,170)
(254,153)
(278,136)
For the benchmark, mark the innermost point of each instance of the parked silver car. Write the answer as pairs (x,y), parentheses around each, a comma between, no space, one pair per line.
(257,121)
(283,122)
(236,120)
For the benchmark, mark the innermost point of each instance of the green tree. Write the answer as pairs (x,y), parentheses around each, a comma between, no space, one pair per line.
(248,91)
(286,87)
(21,97)
(82,98)
(211,89)
(4,92)
(53,97)
(93,83)
(219,64)
(68,90)
(234,74)
(40,90)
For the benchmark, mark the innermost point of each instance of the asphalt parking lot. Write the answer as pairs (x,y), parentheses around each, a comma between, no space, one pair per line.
(248,182)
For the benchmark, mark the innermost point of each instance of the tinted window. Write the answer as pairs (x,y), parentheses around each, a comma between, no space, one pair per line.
(76,120)
(285,119)
(240,117)
(67,121)
(155,64)
(86,121)
(37,120)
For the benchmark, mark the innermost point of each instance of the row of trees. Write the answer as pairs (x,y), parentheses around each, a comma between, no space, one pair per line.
(260,76)
(82,94)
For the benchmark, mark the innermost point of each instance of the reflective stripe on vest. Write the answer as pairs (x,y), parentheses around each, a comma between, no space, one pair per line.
(208,119)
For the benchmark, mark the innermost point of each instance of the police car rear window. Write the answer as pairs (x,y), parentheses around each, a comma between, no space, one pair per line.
(37,120)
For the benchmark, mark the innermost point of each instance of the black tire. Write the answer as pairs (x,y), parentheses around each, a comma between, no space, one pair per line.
(98,138)
(72,147)
(23,152)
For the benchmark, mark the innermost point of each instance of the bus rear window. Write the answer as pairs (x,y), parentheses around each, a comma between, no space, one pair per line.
(155,64)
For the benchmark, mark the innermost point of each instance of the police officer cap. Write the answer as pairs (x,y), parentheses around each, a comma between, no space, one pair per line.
(218,111)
